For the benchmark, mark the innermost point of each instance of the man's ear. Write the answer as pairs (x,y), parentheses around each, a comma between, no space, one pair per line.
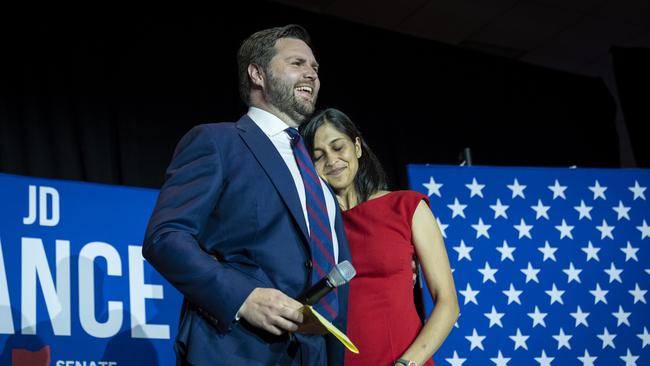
(256,75)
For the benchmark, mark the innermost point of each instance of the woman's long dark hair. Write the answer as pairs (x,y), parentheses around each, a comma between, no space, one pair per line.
(371,177)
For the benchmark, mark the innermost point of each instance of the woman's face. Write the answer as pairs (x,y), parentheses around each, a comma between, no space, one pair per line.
(336,157)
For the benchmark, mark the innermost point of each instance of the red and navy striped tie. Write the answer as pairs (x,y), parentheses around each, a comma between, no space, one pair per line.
(320,234)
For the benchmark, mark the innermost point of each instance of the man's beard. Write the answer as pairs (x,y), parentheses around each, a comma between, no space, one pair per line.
(280,94)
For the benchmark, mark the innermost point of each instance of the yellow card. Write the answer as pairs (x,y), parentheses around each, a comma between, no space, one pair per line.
(334,330)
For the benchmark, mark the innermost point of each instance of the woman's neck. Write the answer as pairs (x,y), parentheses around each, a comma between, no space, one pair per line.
(347,198)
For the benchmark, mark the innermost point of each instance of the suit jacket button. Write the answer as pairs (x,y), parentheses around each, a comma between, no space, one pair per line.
(308,263)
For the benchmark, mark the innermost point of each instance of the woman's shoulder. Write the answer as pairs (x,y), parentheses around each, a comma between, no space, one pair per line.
(405,201)
(379,194)
(403,195)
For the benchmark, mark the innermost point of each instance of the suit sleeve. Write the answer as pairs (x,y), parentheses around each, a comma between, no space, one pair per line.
(188,197)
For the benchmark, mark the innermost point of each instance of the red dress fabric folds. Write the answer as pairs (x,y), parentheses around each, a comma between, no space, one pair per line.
(382,317)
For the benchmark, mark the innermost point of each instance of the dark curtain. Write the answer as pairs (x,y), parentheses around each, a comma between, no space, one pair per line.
(632,73)
(104,96)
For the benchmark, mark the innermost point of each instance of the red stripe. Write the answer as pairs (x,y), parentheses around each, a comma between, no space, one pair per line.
(303,149)
(316,197)
(320,223)
(323,249)
(310,169)
(317,267)
(327,308)
(311,174)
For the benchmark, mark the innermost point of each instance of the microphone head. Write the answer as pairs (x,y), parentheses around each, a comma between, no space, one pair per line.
(341,274)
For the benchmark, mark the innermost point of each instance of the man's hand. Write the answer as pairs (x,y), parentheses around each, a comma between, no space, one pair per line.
(272,310)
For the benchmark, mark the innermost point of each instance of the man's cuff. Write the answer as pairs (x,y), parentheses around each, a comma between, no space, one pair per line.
(238,314)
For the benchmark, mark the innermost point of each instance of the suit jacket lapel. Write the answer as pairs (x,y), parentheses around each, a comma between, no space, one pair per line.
(271,161)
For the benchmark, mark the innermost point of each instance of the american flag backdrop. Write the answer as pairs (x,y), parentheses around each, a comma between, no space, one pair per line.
(551,265)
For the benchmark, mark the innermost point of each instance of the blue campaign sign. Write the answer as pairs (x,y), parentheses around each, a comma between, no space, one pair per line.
(551,264)
(74,288)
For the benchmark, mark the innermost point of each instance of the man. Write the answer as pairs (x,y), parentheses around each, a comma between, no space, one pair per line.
(231,229)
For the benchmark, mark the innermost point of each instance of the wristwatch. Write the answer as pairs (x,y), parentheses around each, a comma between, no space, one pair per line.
(405,362)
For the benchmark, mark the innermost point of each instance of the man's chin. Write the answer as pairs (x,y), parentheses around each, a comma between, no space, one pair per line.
(303,115)
(307,107)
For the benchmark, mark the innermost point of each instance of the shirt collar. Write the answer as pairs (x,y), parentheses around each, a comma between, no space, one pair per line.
(270,124)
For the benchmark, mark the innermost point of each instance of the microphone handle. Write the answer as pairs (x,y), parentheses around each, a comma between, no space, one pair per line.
(317,291)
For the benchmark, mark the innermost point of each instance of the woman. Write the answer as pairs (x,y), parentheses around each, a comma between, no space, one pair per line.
(384,229)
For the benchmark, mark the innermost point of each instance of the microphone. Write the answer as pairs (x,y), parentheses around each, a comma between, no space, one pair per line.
(341,274)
